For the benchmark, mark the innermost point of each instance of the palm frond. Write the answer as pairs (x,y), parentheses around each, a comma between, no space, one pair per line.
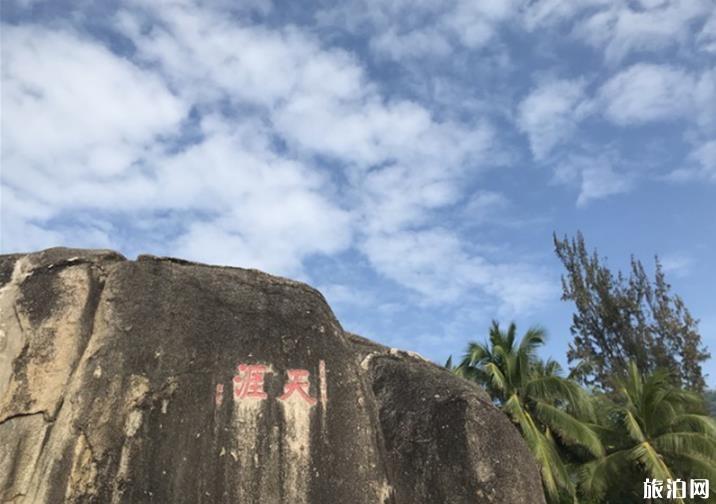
(448,363)
(569,429)
(688,400)
(551,368)
(557,468)
(695,467)
(509,337)
(690,422)
(555,477)
(476,353)
(652,462)
(632,427)
(595,478)
(513,408)
(496,335)
(662,418)
(686,443)
(496,377)
(533,338)
(555,388)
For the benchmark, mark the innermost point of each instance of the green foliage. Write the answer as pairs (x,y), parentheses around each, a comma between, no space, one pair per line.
(620,319)
(541,403)
(652,429)
(594,448)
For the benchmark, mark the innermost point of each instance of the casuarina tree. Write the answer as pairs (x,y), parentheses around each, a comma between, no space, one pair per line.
(621,319)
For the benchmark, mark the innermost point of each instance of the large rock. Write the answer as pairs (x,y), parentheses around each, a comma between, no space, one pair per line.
(163,381)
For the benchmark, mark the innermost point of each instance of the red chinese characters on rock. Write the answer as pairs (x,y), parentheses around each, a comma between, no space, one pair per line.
(219,395)
(297,383)
(249,382)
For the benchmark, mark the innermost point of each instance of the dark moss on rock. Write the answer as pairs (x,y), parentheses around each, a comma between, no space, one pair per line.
(160,380)
(7,264)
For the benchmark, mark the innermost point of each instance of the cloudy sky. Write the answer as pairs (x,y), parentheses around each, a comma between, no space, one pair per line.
(411,159)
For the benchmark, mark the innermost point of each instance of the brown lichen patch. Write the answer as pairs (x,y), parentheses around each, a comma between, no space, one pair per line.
(14,341)
(53,345)
(122,475)
(137,391)
(7,267)
(82,480)
(136,394)
(19,452)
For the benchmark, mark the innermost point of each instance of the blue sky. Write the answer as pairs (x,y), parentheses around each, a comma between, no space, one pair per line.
(409,159)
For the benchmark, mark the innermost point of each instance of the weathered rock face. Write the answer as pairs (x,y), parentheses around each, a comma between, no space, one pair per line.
(162,381)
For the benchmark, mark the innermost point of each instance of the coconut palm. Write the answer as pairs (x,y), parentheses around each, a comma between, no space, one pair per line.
(652,430)
(544,406)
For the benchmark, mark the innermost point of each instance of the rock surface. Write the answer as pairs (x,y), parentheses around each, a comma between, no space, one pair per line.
(159,380)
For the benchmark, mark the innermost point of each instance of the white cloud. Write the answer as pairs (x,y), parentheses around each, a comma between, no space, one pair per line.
(231,133)
(541,13)
(271,212)
(434,263)
(476,23)
(319,100)
(410,30)
(400,46)
(404,194)
(88,123)
(707,37)
(431,262)
(482,206)
(18,217)
(646,92)
(401,163)
(678,265)
(25,4)
(486,202)
(550,113)
(701,164)
(596,176)
(101,136)
(705,155)
(622,29)
(522,288)
(62,124)
(340,294)
(242,199)
(209,57)
(704,100)
(600,180)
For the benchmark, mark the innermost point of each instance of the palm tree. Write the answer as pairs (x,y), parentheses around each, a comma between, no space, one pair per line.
(653,430)
(543,405)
